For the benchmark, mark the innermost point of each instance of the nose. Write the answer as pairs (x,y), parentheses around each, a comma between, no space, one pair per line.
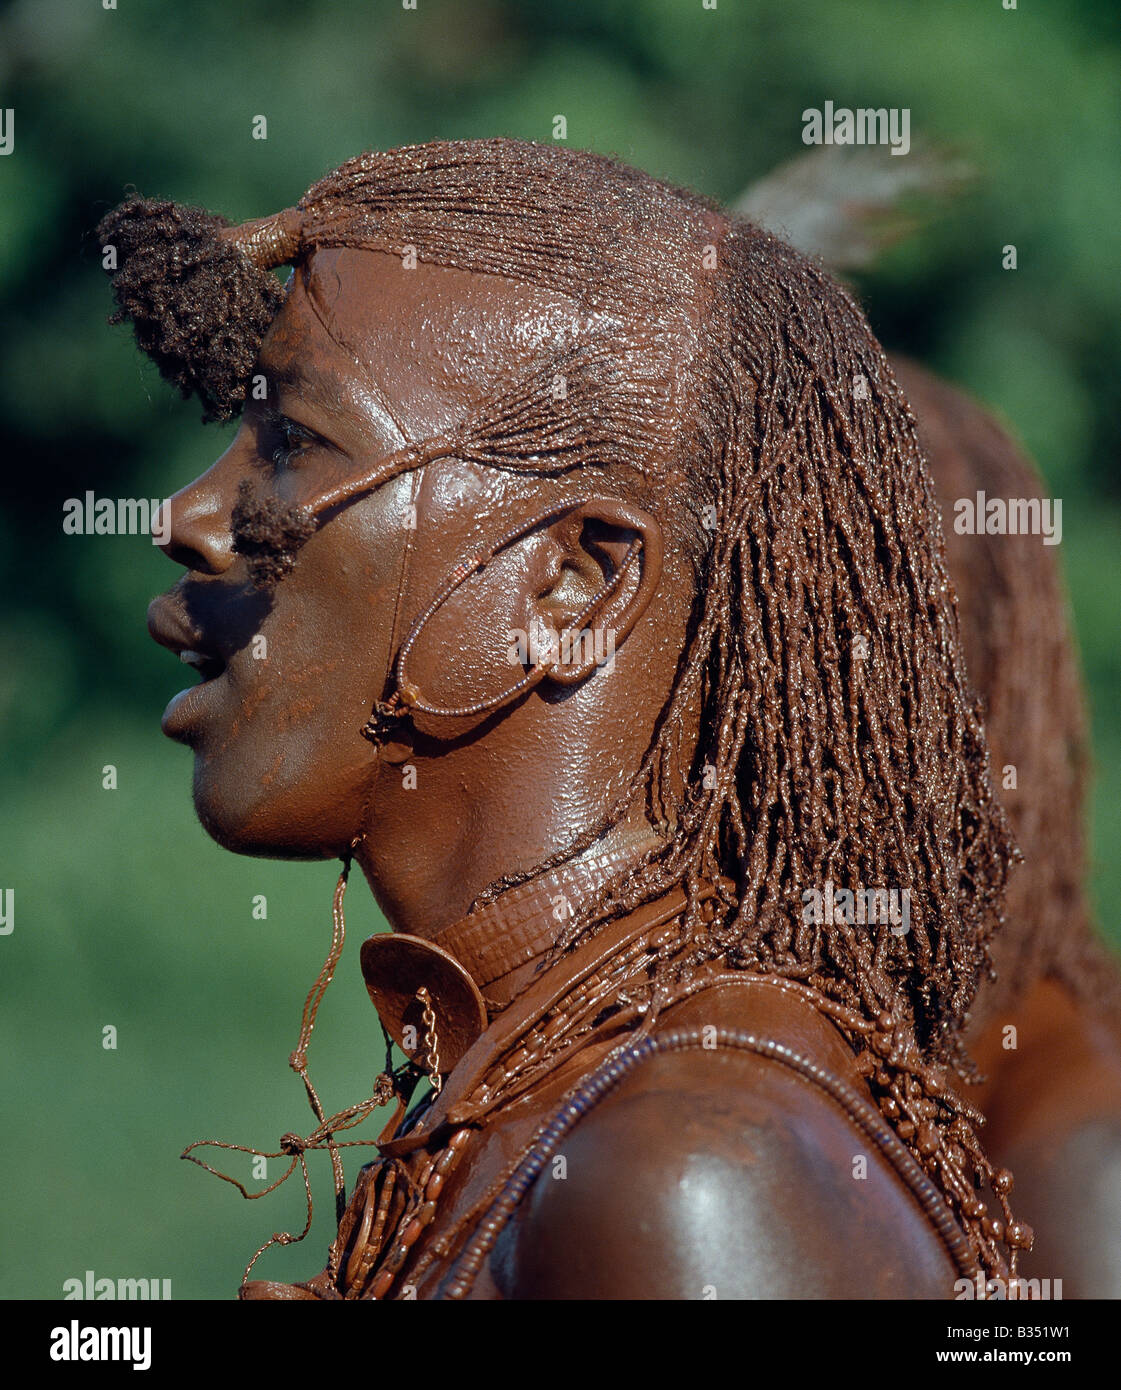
(197,534)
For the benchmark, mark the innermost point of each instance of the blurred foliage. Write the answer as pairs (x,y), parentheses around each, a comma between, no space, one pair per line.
(125,913)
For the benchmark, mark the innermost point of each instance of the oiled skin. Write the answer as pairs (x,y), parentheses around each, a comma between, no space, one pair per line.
(719,1174)
(704,1173)
(696,1183)
(1053,1104)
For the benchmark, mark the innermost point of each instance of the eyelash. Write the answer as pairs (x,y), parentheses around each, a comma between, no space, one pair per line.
(279,432)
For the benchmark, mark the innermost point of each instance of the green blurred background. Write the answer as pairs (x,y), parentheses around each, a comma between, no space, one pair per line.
(126,914)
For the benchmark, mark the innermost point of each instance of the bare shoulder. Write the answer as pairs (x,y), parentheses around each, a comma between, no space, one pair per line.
(721,1174)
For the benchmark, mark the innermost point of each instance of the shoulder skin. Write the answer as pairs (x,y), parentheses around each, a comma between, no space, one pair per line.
(720,1174)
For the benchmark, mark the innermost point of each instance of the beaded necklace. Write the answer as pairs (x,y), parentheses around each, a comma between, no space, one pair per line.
(611,993)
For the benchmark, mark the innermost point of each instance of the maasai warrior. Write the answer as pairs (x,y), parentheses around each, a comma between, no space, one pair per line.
(609,630)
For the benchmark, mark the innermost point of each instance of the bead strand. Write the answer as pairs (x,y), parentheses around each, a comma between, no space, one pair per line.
(863,1113)
(423,1217)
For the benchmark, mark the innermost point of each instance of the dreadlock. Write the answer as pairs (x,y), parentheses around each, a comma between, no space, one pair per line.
(1021,656)
(839,741)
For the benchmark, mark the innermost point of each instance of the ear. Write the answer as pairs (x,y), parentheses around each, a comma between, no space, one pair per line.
(587,555)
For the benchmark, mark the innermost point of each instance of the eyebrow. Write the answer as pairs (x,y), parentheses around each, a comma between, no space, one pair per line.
(293,375)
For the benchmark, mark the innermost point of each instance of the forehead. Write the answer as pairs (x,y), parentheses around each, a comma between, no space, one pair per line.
(427,342)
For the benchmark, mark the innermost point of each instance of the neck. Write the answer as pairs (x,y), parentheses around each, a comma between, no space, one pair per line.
(453,979)
(504,943)
(476,811)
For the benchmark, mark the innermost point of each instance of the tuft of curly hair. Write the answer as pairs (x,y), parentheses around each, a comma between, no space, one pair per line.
(198,306)
(268,533)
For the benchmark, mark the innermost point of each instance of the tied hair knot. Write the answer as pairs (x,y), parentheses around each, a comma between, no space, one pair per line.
(199,305)
(268,241)
(292,1144)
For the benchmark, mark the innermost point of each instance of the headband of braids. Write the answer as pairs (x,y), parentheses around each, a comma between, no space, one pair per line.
(840,742)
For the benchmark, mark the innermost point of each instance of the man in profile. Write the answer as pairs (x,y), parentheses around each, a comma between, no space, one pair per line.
(516,389)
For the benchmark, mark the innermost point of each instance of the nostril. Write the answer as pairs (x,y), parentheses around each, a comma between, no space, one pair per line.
(192,558)
(195,530)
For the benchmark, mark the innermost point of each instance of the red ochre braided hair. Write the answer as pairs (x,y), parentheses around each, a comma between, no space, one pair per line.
(840,742)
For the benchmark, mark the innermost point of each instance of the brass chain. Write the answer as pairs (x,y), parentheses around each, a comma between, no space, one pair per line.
(431,1041)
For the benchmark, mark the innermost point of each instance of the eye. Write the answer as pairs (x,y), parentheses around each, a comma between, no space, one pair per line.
(282,440)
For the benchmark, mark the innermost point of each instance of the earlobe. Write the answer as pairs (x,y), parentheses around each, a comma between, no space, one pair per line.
(615,551)
(586,592)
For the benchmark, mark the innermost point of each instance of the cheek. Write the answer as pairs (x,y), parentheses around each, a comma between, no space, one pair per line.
(292,757)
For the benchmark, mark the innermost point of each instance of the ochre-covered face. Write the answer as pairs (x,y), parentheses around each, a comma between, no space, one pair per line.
(364,357)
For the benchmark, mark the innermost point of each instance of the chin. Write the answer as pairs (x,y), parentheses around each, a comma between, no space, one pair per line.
(264,826)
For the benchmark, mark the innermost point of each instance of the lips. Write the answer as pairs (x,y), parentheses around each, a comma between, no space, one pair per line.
(209,666)
(170,626)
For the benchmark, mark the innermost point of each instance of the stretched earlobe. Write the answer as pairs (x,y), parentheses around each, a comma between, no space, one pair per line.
(611,556)
(605,566)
